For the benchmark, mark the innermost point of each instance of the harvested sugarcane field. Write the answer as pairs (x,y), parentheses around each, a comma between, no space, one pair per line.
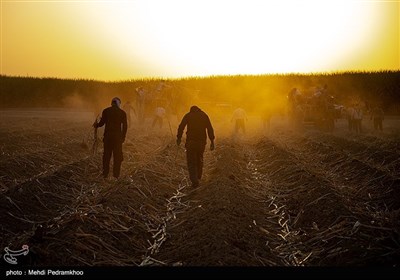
(284,191)
(147,136)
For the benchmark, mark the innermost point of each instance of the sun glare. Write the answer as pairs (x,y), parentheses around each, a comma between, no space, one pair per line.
(174,38)
(257,36)
(233,37)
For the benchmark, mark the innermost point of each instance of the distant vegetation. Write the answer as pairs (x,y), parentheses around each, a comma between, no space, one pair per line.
(252,90)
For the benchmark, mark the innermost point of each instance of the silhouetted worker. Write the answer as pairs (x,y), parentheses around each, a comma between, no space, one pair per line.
(357,118)
(377,116)
(140,104)
(159,114)
(239,116)
(294,99)
(266,119)
(349,115)
(114,135)
(197,123)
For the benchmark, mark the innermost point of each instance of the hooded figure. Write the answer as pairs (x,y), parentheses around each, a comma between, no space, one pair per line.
(239,116)
(198,126)
(115,122)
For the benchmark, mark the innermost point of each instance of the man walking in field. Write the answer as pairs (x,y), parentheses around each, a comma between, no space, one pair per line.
(197,123)
(377,115)
(159,114)
(115,122)
(349,115)
(140,104)
(239,116)
(357,118)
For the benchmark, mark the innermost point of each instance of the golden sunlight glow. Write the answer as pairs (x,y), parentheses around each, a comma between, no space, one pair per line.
(174,38)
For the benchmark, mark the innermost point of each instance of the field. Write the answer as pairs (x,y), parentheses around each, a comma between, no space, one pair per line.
(268,198)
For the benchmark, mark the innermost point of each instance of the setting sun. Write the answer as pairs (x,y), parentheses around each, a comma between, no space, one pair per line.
(127,39)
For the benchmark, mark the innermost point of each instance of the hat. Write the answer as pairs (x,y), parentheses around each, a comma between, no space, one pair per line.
(194,109)
(116,101)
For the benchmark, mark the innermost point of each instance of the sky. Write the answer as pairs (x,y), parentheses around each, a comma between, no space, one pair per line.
(120,40)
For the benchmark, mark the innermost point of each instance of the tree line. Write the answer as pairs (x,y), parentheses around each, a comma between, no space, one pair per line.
(381,87)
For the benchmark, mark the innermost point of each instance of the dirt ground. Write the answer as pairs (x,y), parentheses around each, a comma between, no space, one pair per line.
(281,197)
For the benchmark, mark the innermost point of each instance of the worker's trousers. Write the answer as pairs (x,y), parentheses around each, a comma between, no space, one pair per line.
(194,156)
(239,125)
(112,147)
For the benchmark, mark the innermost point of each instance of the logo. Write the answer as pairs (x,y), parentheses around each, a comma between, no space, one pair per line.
(10,255)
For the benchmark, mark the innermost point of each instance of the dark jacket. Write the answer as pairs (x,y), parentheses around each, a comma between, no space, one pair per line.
(197,123)
(116,123)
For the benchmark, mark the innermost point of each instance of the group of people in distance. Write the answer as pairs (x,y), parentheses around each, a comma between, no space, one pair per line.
(354,115)
(198,126)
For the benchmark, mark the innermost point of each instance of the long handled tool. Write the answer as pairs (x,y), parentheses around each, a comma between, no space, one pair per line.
(170,129)
(95,136)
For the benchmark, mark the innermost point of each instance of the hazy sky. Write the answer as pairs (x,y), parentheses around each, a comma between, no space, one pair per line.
(116,40)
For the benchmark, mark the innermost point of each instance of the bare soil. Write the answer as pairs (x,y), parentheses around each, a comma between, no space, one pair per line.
(282,197)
